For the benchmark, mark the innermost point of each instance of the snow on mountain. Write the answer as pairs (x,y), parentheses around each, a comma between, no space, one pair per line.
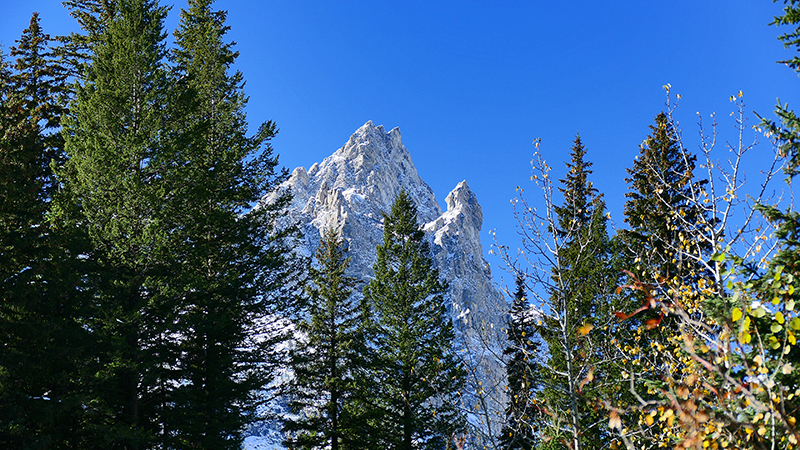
(350,190)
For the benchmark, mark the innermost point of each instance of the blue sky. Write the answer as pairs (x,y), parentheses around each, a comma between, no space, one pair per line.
(472,84)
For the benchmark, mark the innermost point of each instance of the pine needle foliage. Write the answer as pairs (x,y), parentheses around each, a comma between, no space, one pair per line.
(660,208)
(518,432)
(115,188)
(576,314)
(786,130)
(414,376)
(185,274)
(233,265)
(325,359)
(41,343)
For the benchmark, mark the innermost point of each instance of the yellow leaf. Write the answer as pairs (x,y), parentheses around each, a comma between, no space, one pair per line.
(737,314)
(779,317)
(585,329)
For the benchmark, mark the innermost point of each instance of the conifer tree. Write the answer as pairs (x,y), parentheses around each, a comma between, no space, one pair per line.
(162,178)
(518,432)
(787,128)
(413,376)
(41,344)
(325,360)
(233,264)
(116,189)
(579,302)
(660,208)
(663,246)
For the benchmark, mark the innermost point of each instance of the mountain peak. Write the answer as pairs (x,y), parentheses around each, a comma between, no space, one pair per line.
(463,200)
(375,165)
(372,142)
(350,189)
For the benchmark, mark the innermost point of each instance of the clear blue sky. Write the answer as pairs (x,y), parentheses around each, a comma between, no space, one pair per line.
(471,84)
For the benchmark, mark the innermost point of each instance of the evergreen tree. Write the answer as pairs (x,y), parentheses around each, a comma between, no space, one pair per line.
(518,432)
(41,341)
(414,376)
(325,360)
(660,209)
(233,265)
(663,244)
(117,189)
(582,281)
(162,178)
(787,129)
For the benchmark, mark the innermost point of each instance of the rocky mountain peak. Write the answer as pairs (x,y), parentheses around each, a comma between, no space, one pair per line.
(350,189)
(368,133)
(462,199)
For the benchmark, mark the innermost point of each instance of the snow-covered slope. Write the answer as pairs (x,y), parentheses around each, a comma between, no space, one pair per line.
(350,189)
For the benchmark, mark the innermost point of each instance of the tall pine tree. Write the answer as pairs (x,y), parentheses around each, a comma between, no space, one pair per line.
(663,245)
(324,362)
(41,344)
(582,280)
(661,209)
(518,432)
(117,190)
(414,376)
(162,177)
(232,264)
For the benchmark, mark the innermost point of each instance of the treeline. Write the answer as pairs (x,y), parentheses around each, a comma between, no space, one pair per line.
(148,297)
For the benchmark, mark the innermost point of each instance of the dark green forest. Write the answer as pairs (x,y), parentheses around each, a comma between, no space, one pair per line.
(149,298)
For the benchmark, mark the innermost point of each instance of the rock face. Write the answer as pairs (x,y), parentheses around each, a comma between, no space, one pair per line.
(350,189)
